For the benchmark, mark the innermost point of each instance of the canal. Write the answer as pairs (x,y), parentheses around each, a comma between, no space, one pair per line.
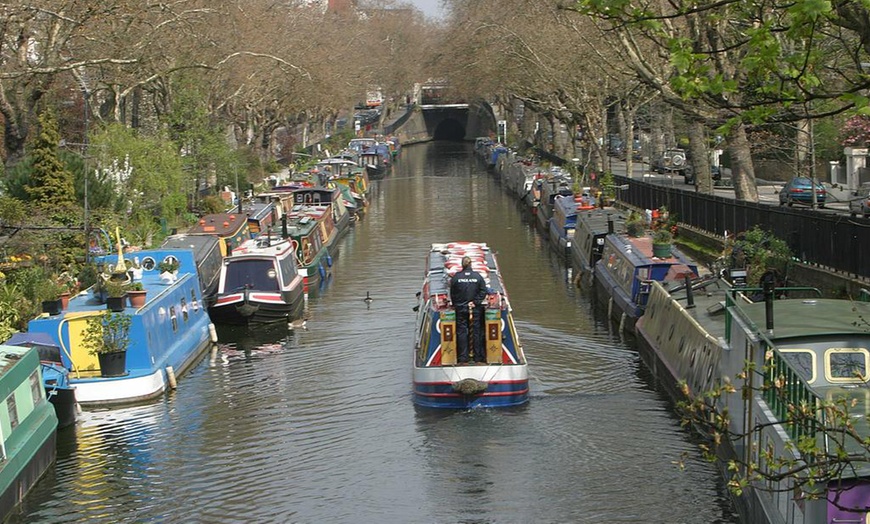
(317,425)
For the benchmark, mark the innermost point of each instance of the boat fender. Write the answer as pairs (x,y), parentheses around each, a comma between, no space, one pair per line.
(212,333)
(469,386)
(170,375)
(328,260)
(322,272)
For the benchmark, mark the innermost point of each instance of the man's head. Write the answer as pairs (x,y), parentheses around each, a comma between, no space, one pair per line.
(466,262)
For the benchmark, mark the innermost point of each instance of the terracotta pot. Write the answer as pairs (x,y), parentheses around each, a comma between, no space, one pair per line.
(137,298)
(64,301)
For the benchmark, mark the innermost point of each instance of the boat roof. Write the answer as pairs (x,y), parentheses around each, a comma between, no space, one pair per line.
(445,260)
(199,244)
(596,220)
(799,318)
(263,245)
(639,252)
(220,224)
(258,210)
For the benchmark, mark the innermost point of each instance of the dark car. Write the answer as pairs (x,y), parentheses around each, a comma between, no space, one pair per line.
(799,189)
(860,205)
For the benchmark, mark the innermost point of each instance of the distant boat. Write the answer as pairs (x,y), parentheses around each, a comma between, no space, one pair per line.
(259,283)
(439,380)
(167,335)
(28,426)
(626,271)
(55,375)
(230,228)
(587,244)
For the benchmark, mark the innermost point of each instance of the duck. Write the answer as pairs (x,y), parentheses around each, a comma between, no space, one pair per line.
(368,300)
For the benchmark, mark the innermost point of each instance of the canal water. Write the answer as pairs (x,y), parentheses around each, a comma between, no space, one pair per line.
(317,425)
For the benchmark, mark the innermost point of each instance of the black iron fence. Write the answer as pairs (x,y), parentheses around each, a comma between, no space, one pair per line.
(837,242)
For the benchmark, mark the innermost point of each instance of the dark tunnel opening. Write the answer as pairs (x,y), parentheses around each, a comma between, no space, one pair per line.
(449,129)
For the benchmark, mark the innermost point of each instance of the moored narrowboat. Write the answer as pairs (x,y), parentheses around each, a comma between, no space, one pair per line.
(259,283)
(626,271)
(564,220)
(440,381)
(165,337)
(588,242)
(28,426)
(231,229)
(796,371)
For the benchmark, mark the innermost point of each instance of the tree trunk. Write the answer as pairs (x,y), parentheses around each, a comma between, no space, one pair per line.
(700,157)
(742,170)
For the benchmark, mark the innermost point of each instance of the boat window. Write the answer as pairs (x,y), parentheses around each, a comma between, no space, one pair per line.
(250,274)
(288,272)
(184,310)
(671,332)
(803,361)
(682,345)
(171,260)
(148,263)
(846,364)
(692,360)
(193,301)
(643,273)
(173,318)
(13,411)
(36,389)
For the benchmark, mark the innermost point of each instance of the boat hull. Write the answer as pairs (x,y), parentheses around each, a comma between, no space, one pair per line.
(257,308)
(506,385)
(43,456)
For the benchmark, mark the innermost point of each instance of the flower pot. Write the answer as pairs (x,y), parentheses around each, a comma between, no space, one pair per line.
(52,307)
(113,364)
(64,301)
(661,250)
(115,304)
(137,298)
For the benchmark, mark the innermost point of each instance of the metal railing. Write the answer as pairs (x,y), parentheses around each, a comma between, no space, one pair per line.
(835,242)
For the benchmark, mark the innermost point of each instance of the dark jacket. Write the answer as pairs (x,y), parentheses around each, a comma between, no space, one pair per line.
(467,286)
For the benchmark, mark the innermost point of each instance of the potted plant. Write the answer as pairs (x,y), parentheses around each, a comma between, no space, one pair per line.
(107,336)
(116,291)
(635,225)
(661,241)
(137,294)
(168,265)
(49,294)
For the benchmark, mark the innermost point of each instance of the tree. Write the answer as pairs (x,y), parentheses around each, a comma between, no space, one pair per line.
(51,184)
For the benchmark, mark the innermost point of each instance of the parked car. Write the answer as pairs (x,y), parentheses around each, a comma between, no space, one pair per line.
(798,189)
(860,205)
(671,160)
(689,173)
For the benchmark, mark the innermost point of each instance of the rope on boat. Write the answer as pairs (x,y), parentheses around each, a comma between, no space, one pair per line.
(470,386)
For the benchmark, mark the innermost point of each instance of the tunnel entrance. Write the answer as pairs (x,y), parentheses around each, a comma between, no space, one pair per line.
(449,129)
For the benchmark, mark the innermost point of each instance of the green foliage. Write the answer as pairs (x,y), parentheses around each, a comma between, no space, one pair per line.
(11,319)
(135,286)
(144,173)
(662,235)
(12,211)
(115,288)
(212,204)
(107,333)
(759,251)
(51,184)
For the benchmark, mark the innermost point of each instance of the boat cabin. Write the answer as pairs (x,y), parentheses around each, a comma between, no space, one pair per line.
(231,229)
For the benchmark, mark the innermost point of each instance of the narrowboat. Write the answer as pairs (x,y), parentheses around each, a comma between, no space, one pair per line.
(167,335)
(588,242)
(317,195)
(231,229)
(259,283)
(804,354)
(28,426)
(207,253)
(361,145)
(262,216)
(313,233)
(564,220)
(373,162)
(556,183)
(55,376)
(439,380)
(627,269)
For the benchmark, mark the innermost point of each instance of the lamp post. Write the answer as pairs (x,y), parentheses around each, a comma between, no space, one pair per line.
(86,165)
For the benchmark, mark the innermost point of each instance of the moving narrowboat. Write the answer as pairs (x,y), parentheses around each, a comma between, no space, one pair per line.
(440,381)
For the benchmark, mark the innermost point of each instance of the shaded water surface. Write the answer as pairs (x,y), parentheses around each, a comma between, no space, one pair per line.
(317,425)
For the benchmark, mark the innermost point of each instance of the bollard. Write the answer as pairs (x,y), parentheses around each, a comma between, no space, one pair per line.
(690,296)
(170,374)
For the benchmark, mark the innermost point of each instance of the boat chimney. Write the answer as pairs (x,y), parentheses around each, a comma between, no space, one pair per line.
(767,290)
(610,224)
(690,295)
